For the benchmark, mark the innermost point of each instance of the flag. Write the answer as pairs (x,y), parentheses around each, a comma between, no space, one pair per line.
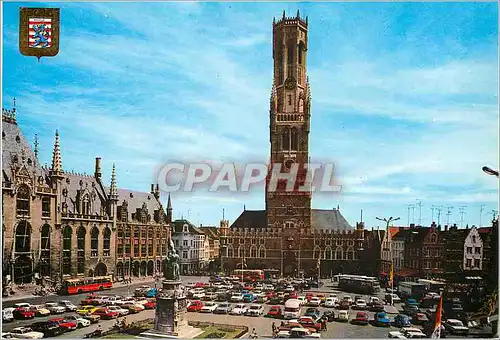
(436,334)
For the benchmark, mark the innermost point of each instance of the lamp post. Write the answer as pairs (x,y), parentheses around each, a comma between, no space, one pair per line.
(388,222)
(489,171)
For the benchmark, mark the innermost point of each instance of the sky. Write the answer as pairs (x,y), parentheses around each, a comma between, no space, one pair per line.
(404,99)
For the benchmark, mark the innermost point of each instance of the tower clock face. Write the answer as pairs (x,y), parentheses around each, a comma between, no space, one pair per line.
(290,83)
(288,163)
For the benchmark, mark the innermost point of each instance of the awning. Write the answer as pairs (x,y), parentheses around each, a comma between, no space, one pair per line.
(407,272)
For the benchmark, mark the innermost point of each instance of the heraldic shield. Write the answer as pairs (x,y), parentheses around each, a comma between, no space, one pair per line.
(39,32)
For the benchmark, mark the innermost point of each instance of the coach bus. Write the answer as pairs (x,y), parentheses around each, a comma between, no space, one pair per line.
(358,284)
(432,286)
(249,275)
(84,285)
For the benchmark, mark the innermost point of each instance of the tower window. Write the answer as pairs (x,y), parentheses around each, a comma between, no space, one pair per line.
(285,140)
(294,140)
(23,201)
(46,207)
(289,99)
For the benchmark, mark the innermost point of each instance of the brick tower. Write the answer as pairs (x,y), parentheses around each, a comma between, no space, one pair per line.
(289,123)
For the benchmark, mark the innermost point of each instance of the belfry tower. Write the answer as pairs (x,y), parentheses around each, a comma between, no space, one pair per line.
(289,123)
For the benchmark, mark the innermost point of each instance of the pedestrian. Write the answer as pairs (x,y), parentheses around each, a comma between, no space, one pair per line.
(254,334)
(325,325)
(273,326)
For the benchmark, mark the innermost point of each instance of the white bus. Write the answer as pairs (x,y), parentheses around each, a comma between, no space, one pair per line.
(292,309)
(358,283)
(432,286)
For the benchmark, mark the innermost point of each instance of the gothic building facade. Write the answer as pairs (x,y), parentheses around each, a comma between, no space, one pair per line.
(289,235)
(58,224)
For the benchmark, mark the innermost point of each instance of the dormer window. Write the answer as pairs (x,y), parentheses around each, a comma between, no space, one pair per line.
(185,228)
(474,239)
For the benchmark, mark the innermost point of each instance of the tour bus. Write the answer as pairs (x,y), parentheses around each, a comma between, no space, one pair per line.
(292,309)
(358,284)
(413,290)
(249,275)
(84,285)
(432,286)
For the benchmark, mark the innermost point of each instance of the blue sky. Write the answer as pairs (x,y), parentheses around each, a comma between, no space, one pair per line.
(404,98)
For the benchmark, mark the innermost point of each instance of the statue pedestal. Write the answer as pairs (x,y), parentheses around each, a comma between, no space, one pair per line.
(170,316)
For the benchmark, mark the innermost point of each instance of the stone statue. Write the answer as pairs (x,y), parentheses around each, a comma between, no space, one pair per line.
(171,269)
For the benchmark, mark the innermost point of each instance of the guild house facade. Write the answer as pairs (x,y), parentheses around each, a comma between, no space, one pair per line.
(58,224)
(290,236)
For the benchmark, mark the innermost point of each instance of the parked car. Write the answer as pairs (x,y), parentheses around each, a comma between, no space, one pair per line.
(276,300)
(275,312)
(120,310)
(249,297)
(348,299)
(92,318)
(381,319)
(329,315)
(65,325)
(343,316)
(411,302)
(23,313)
(106,314)
(89,300)
(360,304)
(151,304)
(195,306)
(344,305)
(133,308)
(402,320)
(237,298)
(209,307)
(419,318)
(455,327)
(407,333)
(40,310)
(377,306)
(255,310)
(223,308)
(85,310)
(79,320)
(373,299)
(308,322)
(411,310)
(54,308)
(70,306)
(361,318)
(7,314)
(239,309)
(313,313)
(48,328)
(25,333)
(209,296)
(392,298)
(331,302)
(315,301)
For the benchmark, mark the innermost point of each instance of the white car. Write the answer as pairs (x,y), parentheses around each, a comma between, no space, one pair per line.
(141,301)
(236,298)
(289,289)
(360,304)
(343,315)
(407,333)
(374,299)
(331,302)
(40,310)
(198,293)
(70,306)
(268,287)
(8,314)
(302,299)
(209,307)
(22,304)
(239,309)
(455,326)
(111,300)
(395,298)
(80,321)
(100,300)
(259,286)
(54,308)
(255,310)
(125,300)
(25,333)
(119,310)
(314,301)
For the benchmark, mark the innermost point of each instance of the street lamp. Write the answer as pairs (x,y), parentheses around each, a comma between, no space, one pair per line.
(388,222)
(490,171)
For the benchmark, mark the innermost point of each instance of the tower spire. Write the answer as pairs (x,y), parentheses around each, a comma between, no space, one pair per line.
(169,209)
(113,192)
(36,146)
(298,14)
(56,168)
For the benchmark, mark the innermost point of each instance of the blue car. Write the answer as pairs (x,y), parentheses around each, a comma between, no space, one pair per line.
(248,297)
(402,320)
(411,302)
(381,319)
(150,293)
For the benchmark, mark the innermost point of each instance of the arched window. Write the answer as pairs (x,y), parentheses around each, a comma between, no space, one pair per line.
(67,236)
(241,251)
(338,253)
(301,53)
(280,68)
(294,140)
(433,238)
(317,252)
(285,140)
(301,105)
(230,251)
(150,241)
(328,253)
(45,251)
(291,49)
(80,250)
(23,237)
(23,201)
(253,252)
(262,252)
(94,241)
(350,253)
(106,241)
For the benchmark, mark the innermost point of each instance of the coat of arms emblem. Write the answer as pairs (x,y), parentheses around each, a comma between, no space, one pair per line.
(39,32)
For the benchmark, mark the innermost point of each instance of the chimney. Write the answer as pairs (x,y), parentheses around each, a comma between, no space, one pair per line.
(412,225)
(98,172)
(433,225)
(152,189)
(445,227)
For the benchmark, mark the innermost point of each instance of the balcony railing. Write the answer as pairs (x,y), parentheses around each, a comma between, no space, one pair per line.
(289,117)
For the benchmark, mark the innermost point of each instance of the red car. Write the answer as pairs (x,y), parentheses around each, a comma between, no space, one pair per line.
(150,304)
(195,306)
(65,325)
(275,312)
(308,322)
(23,313)
(361,318)
(105,313)
(270,294)
(89,300)
(248,287)
(309,296)
(293,295)
(200,285)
